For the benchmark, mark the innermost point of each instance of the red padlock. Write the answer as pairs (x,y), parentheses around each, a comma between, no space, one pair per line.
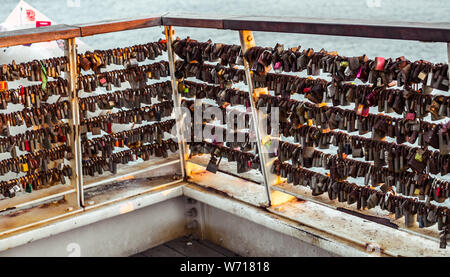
(410,116)
(365,112)
(379,63)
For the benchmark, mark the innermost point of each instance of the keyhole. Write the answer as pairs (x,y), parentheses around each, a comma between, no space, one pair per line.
(74,250)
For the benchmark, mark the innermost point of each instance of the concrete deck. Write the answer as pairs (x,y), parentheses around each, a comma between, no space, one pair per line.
(187,247)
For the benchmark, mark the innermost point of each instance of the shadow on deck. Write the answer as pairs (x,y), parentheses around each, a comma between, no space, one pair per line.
(187,247)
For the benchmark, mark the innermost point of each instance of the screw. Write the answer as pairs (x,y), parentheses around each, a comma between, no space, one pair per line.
(192,212)
(192,225)
(191,201)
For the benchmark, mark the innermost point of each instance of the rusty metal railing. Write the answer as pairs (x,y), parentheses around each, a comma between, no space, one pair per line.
(425,32)
(429,32)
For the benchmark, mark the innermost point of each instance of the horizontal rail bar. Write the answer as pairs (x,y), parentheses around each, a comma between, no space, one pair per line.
(430,32)
(62,31)
(436,32)
(109,26)
(194,20)
(34,35)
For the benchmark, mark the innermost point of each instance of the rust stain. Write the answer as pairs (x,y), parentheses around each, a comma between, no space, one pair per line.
(46,205)
(376,219)
(16,213)
(315,237)
(43,206)
(55,203)
(299,200)
(211,189)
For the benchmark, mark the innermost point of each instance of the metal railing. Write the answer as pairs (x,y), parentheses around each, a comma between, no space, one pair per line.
(425,32)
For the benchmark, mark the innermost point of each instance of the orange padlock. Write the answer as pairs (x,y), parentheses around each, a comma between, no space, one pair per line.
(3,85)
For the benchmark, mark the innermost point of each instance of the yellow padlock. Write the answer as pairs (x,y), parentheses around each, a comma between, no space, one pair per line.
(418,157)
(360,109)
(99,61)
(25,167)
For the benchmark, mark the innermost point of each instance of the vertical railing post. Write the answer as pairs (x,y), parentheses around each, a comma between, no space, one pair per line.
(74,123)
(176,100)
(247,42)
